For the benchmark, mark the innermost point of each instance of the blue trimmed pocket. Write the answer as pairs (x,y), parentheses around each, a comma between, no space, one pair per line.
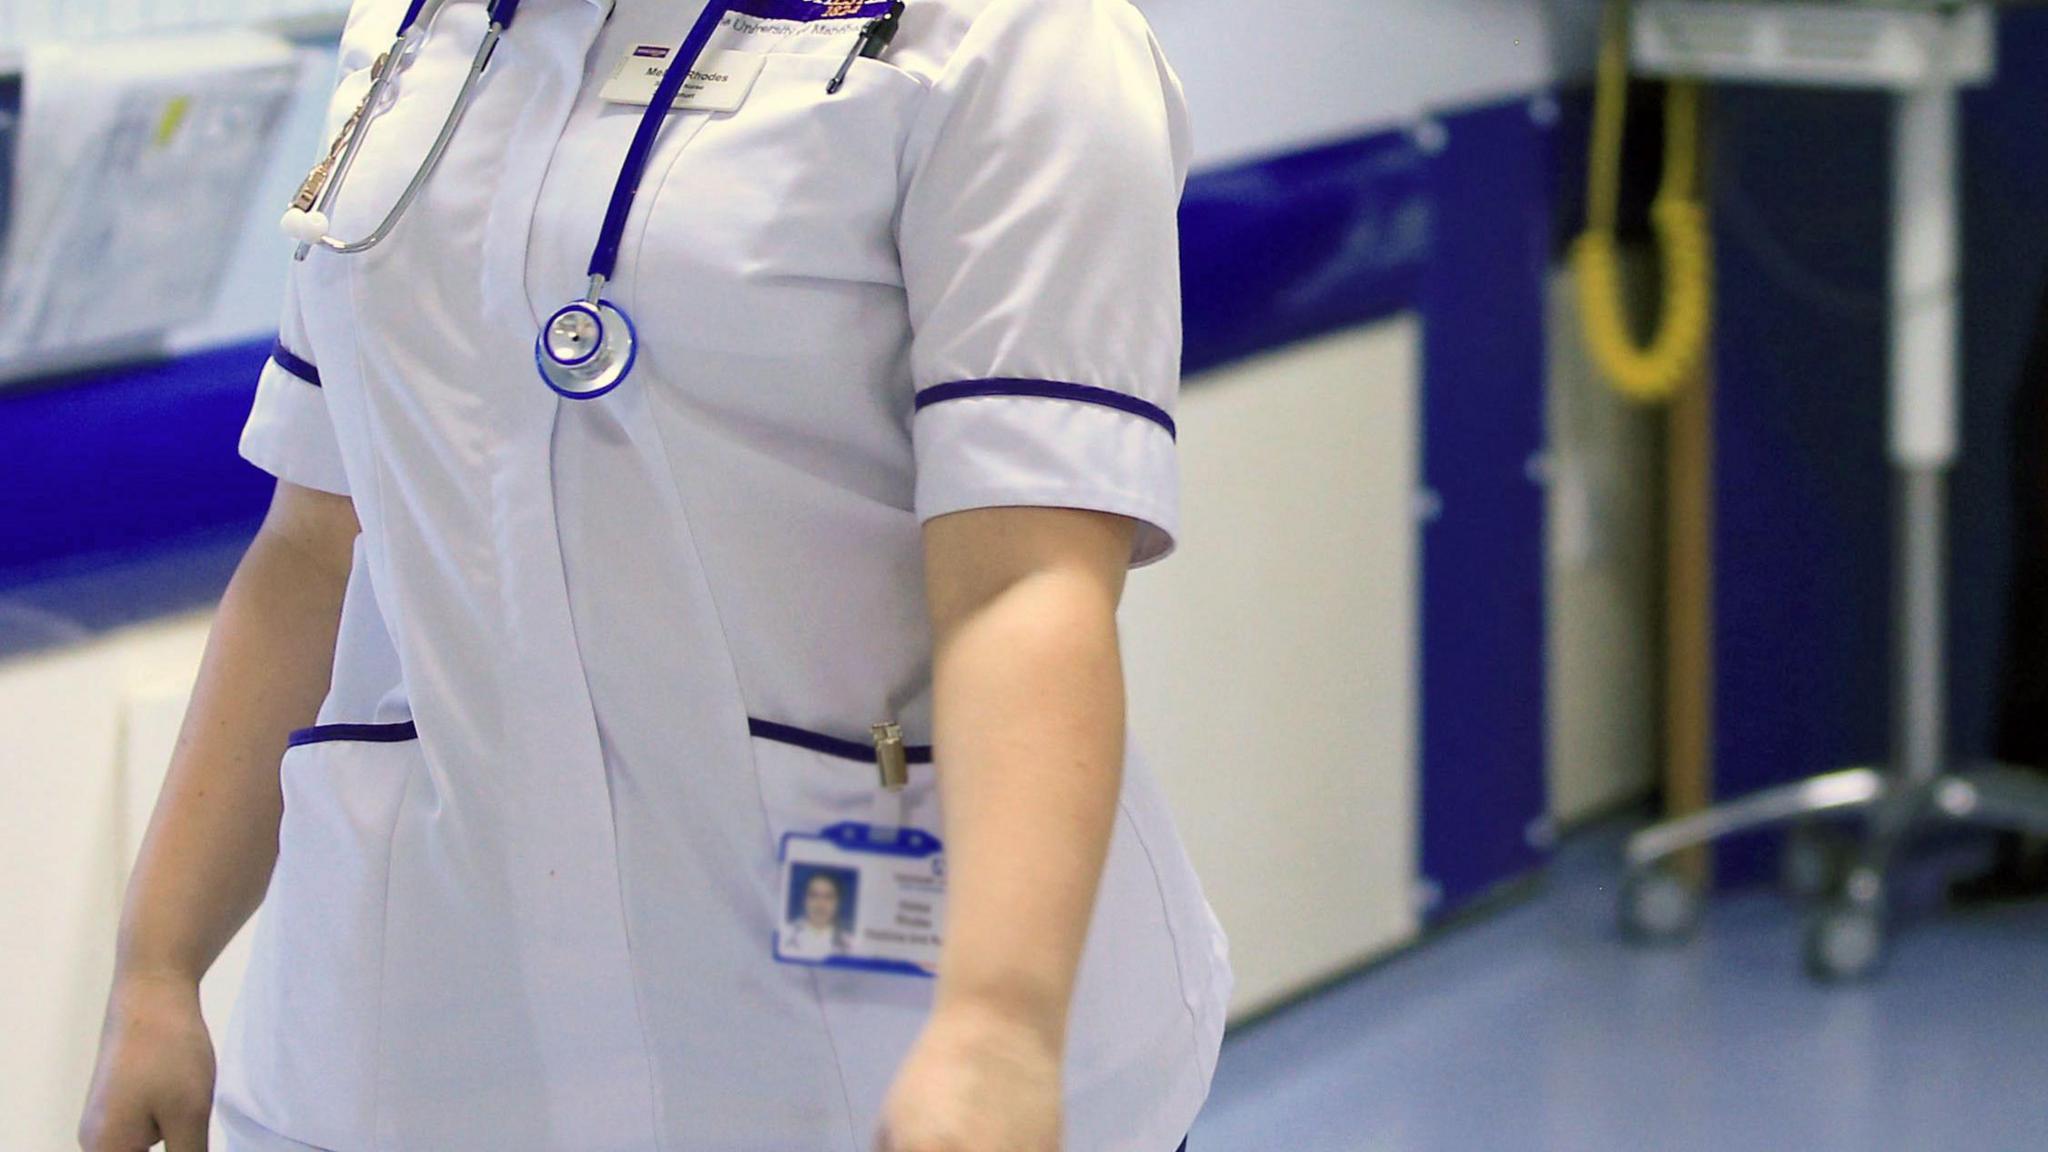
(397,733)
(829,745)
(811,780)
(306,1038)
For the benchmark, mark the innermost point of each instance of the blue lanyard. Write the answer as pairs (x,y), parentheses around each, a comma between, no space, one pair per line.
(501,14)
(605,257)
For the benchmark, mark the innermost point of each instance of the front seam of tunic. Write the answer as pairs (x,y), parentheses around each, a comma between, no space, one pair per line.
(1165,911)
(654,1095)
(393,622)
(832,1041)
(718,615)
(384,959)
(538,316)
(676,485)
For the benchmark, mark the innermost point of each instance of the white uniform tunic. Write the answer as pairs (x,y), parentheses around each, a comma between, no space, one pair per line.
(597,657)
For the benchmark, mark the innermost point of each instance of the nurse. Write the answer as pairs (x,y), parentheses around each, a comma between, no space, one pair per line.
(523,713)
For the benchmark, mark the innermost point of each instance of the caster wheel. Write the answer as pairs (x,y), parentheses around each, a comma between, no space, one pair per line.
(1813,861)
(1658,906)
(1845,941)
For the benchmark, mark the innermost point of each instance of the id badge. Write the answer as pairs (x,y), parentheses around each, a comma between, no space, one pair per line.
(863,897)
(719,83)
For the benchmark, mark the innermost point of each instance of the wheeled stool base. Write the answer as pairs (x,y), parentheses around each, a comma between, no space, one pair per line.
(1846,938)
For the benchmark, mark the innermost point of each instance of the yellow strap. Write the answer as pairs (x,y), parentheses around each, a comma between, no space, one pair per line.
(1678,348)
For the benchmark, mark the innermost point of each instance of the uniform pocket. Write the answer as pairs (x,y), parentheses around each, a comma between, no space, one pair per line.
(308,1010)
(774,222)
(811,781)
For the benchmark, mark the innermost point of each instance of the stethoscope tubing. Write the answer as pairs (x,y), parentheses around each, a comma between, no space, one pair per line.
(410,35)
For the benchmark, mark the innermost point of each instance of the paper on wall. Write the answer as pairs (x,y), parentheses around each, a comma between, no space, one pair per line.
(134,164)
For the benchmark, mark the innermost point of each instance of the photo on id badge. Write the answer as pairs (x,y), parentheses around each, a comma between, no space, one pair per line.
(819,913)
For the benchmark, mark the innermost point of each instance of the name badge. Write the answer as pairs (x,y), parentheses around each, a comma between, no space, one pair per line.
(863,897)
(719,83)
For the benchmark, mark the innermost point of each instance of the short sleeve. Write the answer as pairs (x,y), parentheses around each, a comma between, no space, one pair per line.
(1041,261)
(288,433)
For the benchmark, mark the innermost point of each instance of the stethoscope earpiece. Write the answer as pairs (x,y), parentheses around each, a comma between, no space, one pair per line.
(304,225)
(585,349)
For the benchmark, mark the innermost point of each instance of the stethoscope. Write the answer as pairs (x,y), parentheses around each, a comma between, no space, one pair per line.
(588,346)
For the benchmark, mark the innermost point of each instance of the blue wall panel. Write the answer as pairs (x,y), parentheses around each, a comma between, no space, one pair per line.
(1483,732)
(1801,595)
(1301,244)
(102,468)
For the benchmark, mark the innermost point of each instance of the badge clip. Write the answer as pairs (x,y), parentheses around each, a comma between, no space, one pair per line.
(891,758)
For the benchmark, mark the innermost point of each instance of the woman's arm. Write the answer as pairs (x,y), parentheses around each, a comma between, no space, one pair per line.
(212,840)
(1029,701)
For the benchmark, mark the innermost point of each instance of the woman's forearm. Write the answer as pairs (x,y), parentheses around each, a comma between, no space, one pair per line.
(212,840)
(1030,724)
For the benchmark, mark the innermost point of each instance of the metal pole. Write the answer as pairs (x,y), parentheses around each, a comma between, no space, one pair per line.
(1924,369)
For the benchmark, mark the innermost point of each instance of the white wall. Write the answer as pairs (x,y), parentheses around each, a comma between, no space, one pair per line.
(1280,74)
(1271,662)
(85,734)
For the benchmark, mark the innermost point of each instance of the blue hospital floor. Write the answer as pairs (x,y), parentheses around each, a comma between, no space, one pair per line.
(1536,1028)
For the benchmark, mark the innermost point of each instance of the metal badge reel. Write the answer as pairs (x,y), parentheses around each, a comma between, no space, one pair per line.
(586,349)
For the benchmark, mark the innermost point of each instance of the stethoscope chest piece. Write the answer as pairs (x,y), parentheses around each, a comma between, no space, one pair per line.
(585,349)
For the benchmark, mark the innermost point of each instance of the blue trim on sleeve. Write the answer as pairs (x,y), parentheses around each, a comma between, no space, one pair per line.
(829,745)
(1049,389)
(397,733)
(294,364)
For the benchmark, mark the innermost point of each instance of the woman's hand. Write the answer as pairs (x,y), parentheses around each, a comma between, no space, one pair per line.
(154,1080)
(212,841)
(975,1082)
